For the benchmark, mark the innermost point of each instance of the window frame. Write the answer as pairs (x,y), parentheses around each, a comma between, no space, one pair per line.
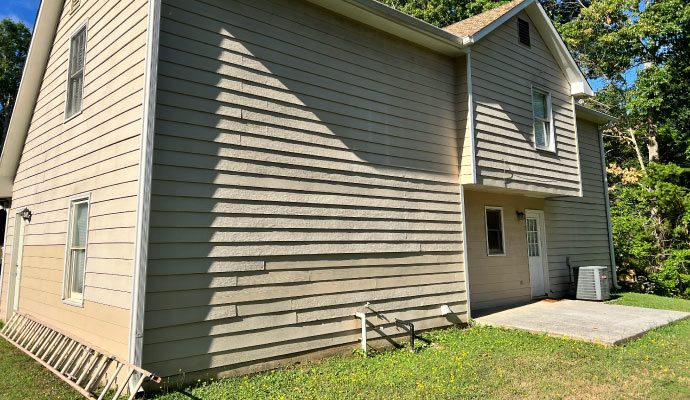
(85,27)
(503,231)
(67,272)
(551,134)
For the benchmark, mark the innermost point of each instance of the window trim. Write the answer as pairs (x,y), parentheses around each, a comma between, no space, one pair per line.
(503,232)
(551,133)
(84,197)
(85,26)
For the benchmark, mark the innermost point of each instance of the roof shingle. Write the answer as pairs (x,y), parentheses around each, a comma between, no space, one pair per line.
(472,25)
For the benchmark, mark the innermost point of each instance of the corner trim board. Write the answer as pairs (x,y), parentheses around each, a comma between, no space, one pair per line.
(136,329)
(577,148)
(464,252)
(470,119)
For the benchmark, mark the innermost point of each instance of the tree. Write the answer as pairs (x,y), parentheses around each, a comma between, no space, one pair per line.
(614,39)
(443,12)
(15,38)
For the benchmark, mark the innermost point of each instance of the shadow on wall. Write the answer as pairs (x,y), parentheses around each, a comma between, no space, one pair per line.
(289,140)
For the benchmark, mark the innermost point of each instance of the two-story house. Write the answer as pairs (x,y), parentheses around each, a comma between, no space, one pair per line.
(217,186)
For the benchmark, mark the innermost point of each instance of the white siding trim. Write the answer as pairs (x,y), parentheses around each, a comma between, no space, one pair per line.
(470,120)
(503,231)
(552,129)
(612,254)
(464,253)
(137,312)
(73,199)
(544,248)
(84,25)
(577,149)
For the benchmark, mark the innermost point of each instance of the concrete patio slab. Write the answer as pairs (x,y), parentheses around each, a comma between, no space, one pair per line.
(595,322)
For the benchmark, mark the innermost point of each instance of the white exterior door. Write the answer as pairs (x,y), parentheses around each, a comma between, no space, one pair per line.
(16,265)
(536,253)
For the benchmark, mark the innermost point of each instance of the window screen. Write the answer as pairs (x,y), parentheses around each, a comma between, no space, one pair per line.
(541,105)
(76,250)
(494,231)
(75,81)
(523,32)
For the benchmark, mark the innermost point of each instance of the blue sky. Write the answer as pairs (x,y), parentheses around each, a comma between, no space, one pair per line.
(19,10)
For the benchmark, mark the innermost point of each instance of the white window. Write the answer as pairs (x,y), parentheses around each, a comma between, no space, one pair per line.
(543,120)
(75,78)
(75,260)
(495,241)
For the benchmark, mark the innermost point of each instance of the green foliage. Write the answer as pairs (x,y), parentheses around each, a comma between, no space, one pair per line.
(443,12)
(613,40)
(674,278)
(485,363)
(14,45)
(632,231)
(650,218)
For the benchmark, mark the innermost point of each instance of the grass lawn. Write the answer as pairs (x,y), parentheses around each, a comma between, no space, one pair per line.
(481,363)
(21,378)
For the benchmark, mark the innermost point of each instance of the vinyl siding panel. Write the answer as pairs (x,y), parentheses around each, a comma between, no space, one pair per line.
(578,227)
(304,165)
(498,280)
(96,152)
(503,73)
(463,118)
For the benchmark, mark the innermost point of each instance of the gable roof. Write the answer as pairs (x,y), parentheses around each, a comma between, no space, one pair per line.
(454,40)
(475,28)
(472,25)
(32,77)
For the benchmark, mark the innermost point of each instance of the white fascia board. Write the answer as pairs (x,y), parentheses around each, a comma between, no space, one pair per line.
(510,14)
(579,87)
(32,77)
(394,22)
(593,116)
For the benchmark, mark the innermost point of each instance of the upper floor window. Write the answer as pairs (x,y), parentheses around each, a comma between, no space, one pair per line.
(495,240)
(75,78)
(75,260)
(543,120)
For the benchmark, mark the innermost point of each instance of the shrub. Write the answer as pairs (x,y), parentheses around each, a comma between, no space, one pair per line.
(674,278)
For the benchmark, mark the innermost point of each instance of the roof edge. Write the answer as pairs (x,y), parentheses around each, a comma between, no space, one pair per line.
(45,26)
(397,23)
(579,87)
(593,115)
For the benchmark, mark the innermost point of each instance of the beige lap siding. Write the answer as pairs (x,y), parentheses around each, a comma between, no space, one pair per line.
(96,152)
(462,115)
(498,280)
(304,165)
(577,227)
(503,72)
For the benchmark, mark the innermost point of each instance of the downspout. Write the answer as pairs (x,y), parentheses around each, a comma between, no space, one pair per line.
(141,240)
(614,274)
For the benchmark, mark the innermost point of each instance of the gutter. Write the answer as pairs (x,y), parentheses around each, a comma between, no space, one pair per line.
(141,241)
(396,23)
